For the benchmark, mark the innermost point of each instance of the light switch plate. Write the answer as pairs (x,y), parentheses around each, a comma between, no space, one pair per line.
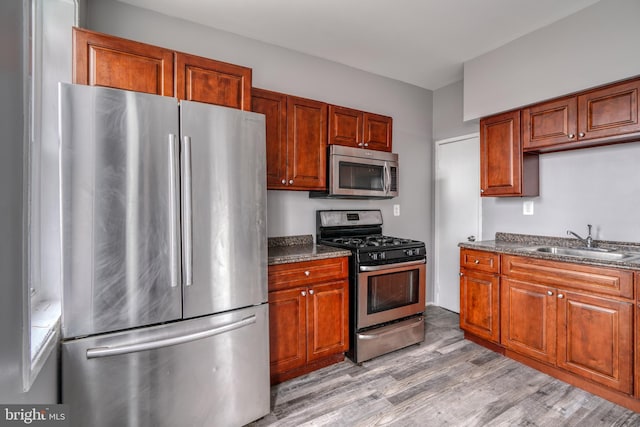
(527,207)
(396,210)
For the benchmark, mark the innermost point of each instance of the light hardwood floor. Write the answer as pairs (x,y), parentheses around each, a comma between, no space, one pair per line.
(444,381)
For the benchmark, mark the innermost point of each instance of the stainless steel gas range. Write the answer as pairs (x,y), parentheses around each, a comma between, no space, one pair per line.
(387,282)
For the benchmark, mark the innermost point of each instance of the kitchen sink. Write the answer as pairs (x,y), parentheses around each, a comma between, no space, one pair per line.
(594,253)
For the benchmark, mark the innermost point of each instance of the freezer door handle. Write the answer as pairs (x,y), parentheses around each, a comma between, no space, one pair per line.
(98,352)
(186,211)
(174,219)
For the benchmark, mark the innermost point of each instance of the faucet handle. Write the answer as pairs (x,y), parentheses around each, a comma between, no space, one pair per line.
(589,226)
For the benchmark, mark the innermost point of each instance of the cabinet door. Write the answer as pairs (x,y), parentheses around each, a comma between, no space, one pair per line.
(479,304)
(213,82)
(306,144)
(528,319)
(377,132)
(345,126)
(503,169)
(595,339)
(287,329)
(274,107)
(327,319)
(610,111)
(637,334)
(103,60)
(550,123)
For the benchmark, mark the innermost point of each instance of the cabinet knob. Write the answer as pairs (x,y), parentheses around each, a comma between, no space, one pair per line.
(366,145)
(481,190)
(360,144)
(310,291)
(303,293)
(581,134)
(284,181)
(476,261)
(290,181)
(307,273)
(571,135)
(560,296)
(461,274)
(549,293)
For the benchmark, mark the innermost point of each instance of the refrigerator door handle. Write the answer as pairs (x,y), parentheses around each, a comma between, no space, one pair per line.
(186,211)
(174,217)
(98,352)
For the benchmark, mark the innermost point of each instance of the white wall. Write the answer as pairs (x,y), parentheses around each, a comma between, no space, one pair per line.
(13,109)
(447,113)
(283,70)
(596,45)
(599,186)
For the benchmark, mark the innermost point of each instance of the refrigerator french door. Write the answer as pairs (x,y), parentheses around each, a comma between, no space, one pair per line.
(163,208)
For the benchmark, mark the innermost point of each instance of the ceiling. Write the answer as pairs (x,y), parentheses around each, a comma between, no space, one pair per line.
(421,42)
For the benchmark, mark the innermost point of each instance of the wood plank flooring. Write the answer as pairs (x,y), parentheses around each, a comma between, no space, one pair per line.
(444,381)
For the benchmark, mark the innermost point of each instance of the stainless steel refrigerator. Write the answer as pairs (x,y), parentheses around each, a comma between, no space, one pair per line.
(163,217)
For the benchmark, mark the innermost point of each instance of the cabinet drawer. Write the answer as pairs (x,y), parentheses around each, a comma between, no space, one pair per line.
(480,260)
(602,280)
(286,276)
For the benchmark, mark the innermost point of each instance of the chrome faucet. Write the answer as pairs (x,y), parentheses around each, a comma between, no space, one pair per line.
(588,241)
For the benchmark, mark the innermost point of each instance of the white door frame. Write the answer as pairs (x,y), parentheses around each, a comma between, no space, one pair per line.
(438,220)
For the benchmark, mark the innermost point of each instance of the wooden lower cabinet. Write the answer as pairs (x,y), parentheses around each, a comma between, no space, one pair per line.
(308,316)
(528,313)
(595,339)
(579,323)
(479,294)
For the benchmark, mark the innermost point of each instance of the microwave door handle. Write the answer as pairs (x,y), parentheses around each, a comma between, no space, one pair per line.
(387,178)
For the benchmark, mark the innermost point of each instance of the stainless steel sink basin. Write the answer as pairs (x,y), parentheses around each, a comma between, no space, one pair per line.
(595,253)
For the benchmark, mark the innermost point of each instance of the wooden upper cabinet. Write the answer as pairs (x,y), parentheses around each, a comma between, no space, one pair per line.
(595,117)
(377,132)
(345,126)
(504,170)
(296,140)
(214,82)
(306,144)
(550,123)
(104,60)
(274,107)
(609,111)
(355,128)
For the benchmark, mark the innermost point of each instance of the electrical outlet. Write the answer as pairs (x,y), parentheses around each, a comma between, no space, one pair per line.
(396,210)
(527,207)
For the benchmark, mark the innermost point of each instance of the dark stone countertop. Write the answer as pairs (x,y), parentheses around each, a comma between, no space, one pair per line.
(284,250)
(517,244)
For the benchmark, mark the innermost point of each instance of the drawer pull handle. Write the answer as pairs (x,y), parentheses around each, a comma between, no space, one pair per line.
(477,261)
(307,273)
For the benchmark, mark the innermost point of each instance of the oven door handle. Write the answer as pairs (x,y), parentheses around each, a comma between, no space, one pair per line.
(373,336)
(389,266)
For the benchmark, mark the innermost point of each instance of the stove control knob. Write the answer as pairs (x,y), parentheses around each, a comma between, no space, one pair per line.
(373,255)
(409,252)
(382,255)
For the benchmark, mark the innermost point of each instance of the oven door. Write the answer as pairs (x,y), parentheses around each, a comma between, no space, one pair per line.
(390,292)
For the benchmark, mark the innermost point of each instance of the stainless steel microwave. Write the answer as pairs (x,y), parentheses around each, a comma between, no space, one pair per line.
(357,173)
